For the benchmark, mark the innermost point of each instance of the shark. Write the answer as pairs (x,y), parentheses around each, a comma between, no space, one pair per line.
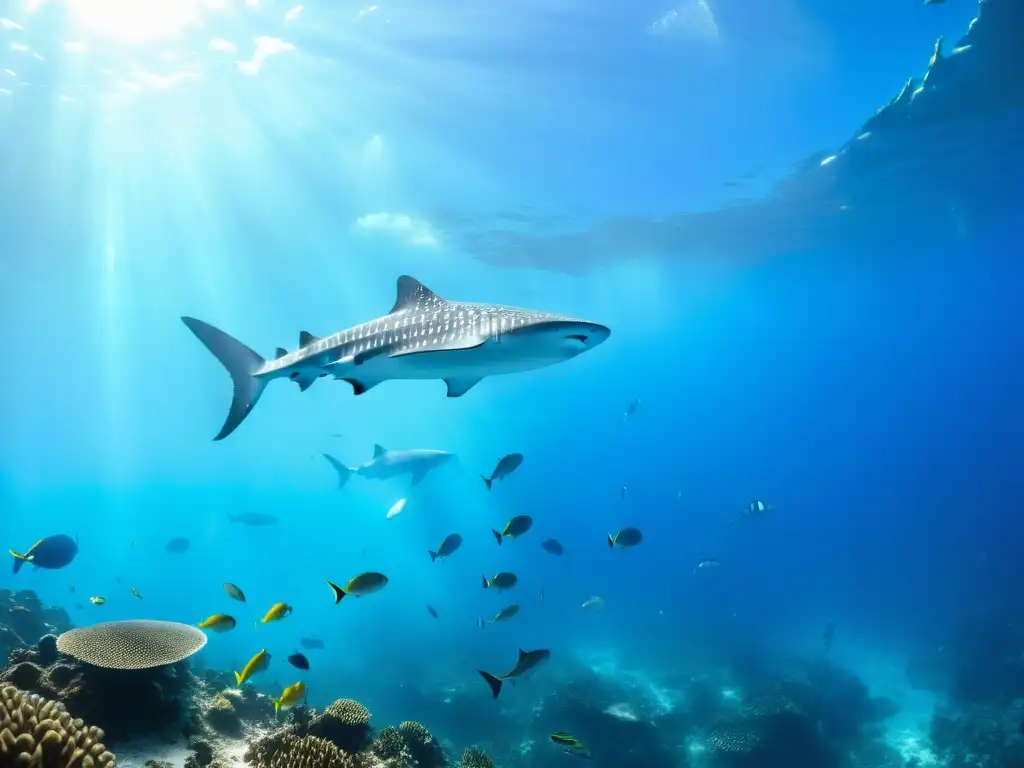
(387,464)
(424,336)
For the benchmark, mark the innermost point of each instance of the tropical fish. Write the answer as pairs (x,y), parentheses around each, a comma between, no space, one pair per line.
(552,546)
(277,612)
(298,660)
(500,581)
(707,564)
(503,615)
(312,643)
(571,745)
(234,592)
(257,663)
(431,611)
(218,622)
(514,528)
(506,466)
(51,553)
(594,603)
(626,537)
(363,584)
(291,696)
(385,464)
(135,592)
(177,546)
(412,341)
(631,409)
(448,545)
(396,509)
(253,519)
(98,600)
(528,660)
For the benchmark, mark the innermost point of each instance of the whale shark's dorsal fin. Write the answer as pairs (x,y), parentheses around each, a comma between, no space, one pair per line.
(305,337)
(522,654)
(409,291)
(378,451)
(281,352)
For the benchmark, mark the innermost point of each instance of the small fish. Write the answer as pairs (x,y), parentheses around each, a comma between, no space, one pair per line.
(50,553)
(500,581)
(177,546)
(291,696)
(626,537)
(542,594)
(552,546)
(448,545)
(571,745)
(363,584)
(755,509)
(396,509)
(594,603)
(708,564)
(253,519)
(514,528)
(504,614)
(622,494)
(218,622)
(257,663)
(528,660)
(298,660)
(506,466)
(98,600)
(631,409)
(830,633)
(234,592)
(431,611)
(135,592)
(312,643)
(277,612)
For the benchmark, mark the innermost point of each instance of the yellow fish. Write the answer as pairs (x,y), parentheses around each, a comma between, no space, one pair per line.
(363,584)
(218,622)
(277,612)
(291,696)
(98,600)
(257,663)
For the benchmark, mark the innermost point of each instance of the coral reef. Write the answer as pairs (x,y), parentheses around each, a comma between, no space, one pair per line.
(474,757)
(425,749)
(132,645)
(37,732)
(24,620)
(979,736)
(345,723)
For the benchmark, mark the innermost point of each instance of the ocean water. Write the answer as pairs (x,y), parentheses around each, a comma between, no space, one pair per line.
(816,307)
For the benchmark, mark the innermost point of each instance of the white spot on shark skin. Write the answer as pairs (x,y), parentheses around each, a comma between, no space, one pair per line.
(8,24)
(396,509)
(265,48)
(293,13)
(19,48)
(693,19)
(414,231)
(366,12)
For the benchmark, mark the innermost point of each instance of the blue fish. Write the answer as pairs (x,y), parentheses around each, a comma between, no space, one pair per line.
(51,553)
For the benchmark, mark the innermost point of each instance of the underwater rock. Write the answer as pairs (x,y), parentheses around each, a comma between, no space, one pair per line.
(24,620)
(35,731)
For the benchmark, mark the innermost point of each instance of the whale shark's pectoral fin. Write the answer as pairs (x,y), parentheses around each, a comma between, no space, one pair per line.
(360,387)
(459,387)
(418,475)
(368,354)
(305,379)
(454,344)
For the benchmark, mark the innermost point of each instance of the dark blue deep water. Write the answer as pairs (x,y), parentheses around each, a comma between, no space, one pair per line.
(813,287)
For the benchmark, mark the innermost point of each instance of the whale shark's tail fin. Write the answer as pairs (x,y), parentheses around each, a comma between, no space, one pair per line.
(344,473)
(241,362)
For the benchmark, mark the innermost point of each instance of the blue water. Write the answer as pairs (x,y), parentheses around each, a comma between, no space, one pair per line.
(870,394)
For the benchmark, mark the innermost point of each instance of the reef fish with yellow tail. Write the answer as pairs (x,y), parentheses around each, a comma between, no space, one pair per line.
(626,537)
(448,545)
(514,528)
(277,612)
(257,663)
(50,553)
(528,661)
(363,584)
(291,696)
(570,745)
(506,466)
(504,614)
(218,622)
(500,581)
(423,336)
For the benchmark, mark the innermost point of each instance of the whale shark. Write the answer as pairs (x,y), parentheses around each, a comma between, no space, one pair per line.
(423,337)
(387,464)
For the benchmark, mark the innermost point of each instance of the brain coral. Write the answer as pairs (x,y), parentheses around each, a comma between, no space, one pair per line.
(348,711)
(136,644)
(389,744)
(424,747)
(474,757)
(346,723)
(37,732)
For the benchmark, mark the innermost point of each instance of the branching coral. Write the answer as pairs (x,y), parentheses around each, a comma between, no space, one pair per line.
(474,757)
(37,732)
